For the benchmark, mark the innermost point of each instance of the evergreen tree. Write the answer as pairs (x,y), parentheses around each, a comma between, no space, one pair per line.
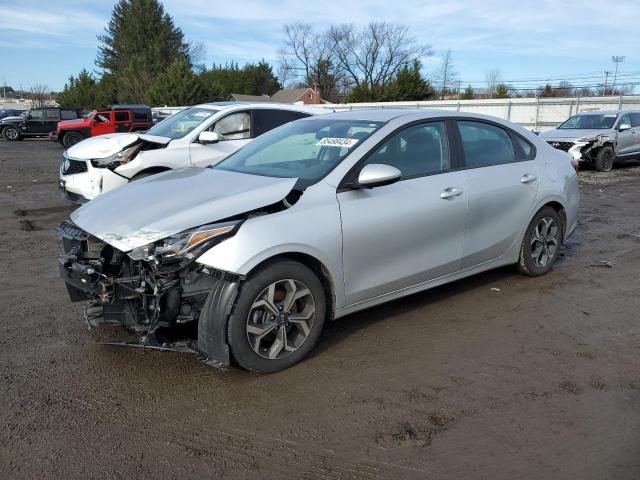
(252,79)
(259,79)
(409,85)
(502,91)
(177,86)
(82,91)
(468,93)
(139,43)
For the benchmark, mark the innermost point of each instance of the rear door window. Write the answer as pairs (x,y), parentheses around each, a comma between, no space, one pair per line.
(68,114)
(485,144)
(51,114)
(265,119)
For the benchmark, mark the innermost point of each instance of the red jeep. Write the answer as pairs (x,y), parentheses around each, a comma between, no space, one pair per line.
(120,119)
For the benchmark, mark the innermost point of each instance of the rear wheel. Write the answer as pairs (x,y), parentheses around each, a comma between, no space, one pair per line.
(71,138)
(277,318)
(604,159)
(541,243)
(11,133)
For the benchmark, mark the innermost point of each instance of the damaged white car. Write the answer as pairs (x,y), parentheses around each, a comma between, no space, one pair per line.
(200,136)
(312,221)
(598,138)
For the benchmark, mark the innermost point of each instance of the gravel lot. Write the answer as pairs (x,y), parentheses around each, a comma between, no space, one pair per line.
(539,379)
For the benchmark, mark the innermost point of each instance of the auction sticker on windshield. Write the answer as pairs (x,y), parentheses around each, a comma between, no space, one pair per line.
(337,142)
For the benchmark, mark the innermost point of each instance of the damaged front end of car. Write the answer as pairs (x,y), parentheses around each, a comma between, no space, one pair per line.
(585,150)
(153,290)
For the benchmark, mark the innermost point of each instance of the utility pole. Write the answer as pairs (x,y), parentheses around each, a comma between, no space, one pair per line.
(617,61)
(606,77)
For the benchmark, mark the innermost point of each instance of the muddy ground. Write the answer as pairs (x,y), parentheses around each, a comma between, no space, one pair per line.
(539,379)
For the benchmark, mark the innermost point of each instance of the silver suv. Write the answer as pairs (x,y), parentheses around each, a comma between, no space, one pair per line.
(598,138)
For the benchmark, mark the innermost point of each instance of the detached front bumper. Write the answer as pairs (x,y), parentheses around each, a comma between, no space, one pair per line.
(80,181)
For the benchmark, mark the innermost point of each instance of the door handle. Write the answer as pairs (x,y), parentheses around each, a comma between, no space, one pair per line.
(528,178)
(450,192)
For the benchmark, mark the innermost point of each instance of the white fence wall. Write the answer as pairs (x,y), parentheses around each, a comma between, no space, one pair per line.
(537,114)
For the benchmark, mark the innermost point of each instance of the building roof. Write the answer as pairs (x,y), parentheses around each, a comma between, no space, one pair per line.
(289,95)
(239,97)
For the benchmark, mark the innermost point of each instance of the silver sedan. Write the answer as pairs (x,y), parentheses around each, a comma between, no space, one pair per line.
(315,220)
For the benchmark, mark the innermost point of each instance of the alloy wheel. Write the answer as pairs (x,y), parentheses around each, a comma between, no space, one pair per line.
(544,242)
(280,319)
(11,133)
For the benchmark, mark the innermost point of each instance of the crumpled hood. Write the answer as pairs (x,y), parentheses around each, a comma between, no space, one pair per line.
(155,207)
(567,134)
(101,146)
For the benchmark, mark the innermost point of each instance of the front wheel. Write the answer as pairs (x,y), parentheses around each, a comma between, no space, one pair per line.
(11,134)
(278,317)
(604,159)
(541,243)
(71,138)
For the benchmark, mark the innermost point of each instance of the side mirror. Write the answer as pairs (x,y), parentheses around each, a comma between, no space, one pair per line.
(377,175)
(208,137)
(624,126)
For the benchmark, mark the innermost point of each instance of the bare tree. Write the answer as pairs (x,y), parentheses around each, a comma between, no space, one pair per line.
(373,55)
(492,78)
(564,89)
(446,75)
(39,95)
(306,58)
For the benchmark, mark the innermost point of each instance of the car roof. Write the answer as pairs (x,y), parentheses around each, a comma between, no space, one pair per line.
(388,114)
(259,105)
(607,112)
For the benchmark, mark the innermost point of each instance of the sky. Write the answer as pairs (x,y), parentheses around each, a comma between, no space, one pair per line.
(46,41)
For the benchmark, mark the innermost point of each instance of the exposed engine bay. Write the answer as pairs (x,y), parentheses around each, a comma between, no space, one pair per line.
(158,290)
(142,295)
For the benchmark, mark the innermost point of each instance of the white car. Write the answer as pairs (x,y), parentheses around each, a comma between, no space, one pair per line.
(202,135)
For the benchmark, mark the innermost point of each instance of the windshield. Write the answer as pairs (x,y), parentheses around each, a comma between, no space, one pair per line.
(305,149)
(590,122)
(182,123)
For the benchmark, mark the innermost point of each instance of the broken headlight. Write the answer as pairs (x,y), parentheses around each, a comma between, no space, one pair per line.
(187,245)
(116,159)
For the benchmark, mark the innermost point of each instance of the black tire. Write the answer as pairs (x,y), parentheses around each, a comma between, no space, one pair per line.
(604,159)
(527,264)
(71,138)
(11,133)
(237,328)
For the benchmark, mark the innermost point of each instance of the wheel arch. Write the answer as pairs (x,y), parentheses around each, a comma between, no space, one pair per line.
(151,171)
(560,210)
(315,265)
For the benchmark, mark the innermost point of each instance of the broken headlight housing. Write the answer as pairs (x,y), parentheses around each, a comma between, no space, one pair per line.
(186,246)
(116,159)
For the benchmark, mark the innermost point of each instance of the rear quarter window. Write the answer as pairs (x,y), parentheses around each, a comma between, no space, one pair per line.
(268,119)
(68,114)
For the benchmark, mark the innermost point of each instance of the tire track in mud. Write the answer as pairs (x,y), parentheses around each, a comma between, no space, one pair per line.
(237,449)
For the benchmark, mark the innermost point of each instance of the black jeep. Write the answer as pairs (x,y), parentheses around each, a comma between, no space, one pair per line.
(38,122)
